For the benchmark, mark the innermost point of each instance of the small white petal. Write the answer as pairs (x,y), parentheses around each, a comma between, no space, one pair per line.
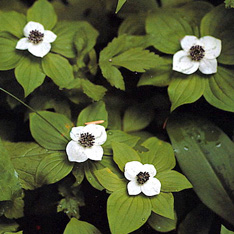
(98,132)
(75,152)
(151,187)
(132,169)
(94,153)
(133,188)
(40,49)
(212,47)
(75,133)
(208,66)
(150,169)
(183,63)
(49,36)
(188,41)
(22,44)
(33,26)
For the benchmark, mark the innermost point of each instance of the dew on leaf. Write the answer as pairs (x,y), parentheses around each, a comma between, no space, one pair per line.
(110,133)
(218,145)
(186,148)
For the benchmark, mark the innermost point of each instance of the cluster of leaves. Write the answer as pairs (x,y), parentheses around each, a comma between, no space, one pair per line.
(81,70)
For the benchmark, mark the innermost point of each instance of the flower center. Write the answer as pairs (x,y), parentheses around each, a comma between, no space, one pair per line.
(35,36)
(86,139)
(197,52)
(142,177)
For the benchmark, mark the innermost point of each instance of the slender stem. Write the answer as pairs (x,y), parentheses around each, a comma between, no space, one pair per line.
(33,110)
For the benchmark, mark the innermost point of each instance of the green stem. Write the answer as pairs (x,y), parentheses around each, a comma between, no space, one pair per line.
(30,108)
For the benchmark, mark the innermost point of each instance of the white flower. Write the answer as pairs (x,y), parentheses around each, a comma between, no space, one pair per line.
(37,40)
(141,179)
(197,54)
(86,143)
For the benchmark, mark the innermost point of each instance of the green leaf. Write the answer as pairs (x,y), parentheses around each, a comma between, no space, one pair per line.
(229,3)
(205,156)
(167,27)
(80,227)
(173,181)
(163,204)
(122,153)
(9,182)
(93,112)
(197,223)
(161,224)
(42,12)
(9,56)
(53,168)
(136,60)
(8,226)
(127,213)
(160,154)
(119,5)
(109,180)
(13,22)
(26,158)
(158,76)
(118,136)
(185,89)
(174,3)
(219,90)
(58,69)
(78,173)
(57,136)
(16,208)
(29,74)
(224,230)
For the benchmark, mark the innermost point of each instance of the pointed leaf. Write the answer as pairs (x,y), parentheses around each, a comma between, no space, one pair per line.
(56,128)
(29,74)
(205,155)
(58,69)
(127,213)
(42,12)
(16,208)
(185,89)
(120,4)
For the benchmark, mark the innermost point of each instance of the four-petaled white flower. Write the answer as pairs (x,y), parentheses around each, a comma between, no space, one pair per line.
(197,54)
(37,40)
(141,179)
(86,143)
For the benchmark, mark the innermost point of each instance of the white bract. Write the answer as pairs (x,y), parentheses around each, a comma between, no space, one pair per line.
(197,54)
(86,143)
(141,179)
(37,40)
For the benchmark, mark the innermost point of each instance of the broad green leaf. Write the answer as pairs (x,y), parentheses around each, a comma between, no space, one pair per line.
(93,112)
(52,132)
(168,28)
(16,208)
(229,3)
(42,12)
(13,22)
(173,181)
(119,5)
(160,154)
(118,136)
(29,74)
(158,76)
(197,223)
(224,230)
(205,155)
(9,181)
(136,60)
(122,153)
(109,180)
(219,90)
(127,213)
(136,118)
(9,56)
(58,69)
(161,224)
(80,227)
(163,204)
(26,158)
(8,226)
(185,89)
(174,3)
(78,173)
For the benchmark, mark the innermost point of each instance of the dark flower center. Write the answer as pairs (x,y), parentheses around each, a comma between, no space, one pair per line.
(142,177)
(35,36)
(197,52)
(86,139)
